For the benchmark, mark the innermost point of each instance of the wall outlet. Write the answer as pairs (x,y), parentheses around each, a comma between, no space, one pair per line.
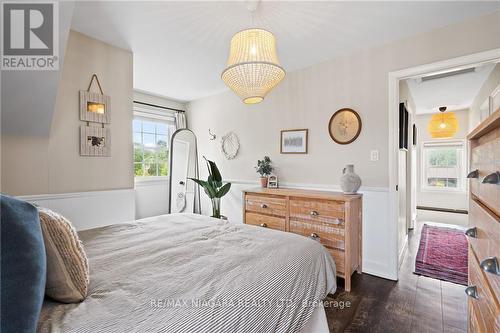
(373,155)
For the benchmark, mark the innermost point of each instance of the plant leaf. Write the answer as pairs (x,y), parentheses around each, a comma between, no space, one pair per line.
(223,190)
(214,171)
(209,189)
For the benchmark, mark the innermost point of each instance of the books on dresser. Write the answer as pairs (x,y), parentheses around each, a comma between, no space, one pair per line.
(332,218)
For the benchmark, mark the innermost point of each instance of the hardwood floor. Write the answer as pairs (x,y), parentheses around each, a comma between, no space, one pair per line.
(413,304)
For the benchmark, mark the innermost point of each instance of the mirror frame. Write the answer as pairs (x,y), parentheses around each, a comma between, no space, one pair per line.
(196,171)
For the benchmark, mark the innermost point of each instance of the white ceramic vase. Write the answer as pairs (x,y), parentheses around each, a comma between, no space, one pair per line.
(350,181)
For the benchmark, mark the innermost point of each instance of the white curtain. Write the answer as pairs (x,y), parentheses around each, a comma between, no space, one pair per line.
(180,120)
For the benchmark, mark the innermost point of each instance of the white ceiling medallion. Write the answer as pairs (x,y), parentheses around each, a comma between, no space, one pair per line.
(230,144)
(253,68)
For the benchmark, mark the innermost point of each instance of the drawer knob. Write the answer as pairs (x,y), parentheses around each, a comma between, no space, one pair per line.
(263,225)
(472,292)
(471,232)
(263,206)
(314,213)
(490,265)
(314,235)
(473,174)
(338,221)
(492,178)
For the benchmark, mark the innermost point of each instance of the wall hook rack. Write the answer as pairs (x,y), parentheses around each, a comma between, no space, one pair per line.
(212,135)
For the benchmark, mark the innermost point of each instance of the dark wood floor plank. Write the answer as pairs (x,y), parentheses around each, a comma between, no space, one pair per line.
(454,306)
(413,304)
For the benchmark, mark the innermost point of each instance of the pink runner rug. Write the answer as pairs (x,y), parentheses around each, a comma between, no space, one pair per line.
(442,254)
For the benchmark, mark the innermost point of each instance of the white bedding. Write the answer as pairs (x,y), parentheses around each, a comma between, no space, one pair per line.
(190,273)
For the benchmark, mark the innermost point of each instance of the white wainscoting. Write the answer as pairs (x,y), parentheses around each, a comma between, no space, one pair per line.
(151,197)
(378,254)
(88,210)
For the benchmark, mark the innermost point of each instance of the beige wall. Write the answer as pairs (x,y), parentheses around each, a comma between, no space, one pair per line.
(34,165)
(486,89)
(308,97)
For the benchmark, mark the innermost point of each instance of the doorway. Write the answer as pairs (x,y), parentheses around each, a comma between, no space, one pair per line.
(404,215)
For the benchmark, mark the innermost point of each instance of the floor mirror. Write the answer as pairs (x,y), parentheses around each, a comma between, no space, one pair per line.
(184,194)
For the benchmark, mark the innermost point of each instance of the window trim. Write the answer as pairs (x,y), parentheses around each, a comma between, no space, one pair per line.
(461,143)
(152,114)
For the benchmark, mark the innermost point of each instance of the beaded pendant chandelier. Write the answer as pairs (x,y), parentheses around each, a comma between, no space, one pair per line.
(253,68)
(443,125)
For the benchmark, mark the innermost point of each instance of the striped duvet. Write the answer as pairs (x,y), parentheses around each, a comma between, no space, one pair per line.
(190,273)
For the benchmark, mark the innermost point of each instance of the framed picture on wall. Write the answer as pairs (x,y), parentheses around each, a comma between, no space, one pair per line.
(95,141)
(294,141)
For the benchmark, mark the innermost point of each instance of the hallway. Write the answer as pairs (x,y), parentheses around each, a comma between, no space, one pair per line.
(413,304)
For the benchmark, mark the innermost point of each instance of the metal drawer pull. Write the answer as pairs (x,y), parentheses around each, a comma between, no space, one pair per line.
(473,174)
(472,292)
(263,206)
(492,178)
(314,213)
(490,265)
(338,221)
(471,232)
(263,225)
(314,235)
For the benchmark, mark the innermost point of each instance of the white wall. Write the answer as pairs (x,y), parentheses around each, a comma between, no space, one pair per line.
(484,92)
(307,98)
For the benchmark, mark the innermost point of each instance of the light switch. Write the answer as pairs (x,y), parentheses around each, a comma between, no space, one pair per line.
(373,155)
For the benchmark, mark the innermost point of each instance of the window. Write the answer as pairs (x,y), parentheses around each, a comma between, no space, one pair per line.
(443,166)
(151,135)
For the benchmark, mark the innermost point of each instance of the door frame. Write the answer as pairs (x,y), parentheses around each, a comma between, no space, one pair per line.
(393,133)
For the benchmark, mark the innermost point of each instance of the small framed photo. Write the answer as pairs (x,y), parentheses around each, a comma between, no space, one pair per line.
(95,141)
(272,181)
(294,141)
(95,107)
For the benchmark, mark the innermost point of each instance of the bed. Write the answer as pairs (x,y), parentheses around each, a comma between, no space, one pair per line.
(191,273)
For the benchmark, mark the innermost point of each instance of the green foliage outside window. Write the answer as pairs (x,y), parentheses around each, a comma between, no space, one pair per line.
(443,157)
(151,148)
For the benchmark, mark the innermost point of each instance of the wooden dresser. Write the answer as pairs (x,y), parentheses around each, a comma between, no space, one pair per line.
(332,218)
(484,223)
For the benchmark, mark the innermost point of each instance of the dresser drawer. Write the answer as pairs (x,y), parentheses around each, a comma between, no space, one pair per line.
(265,205)
(474,321)
(325,211)
(485,157)
(339,258)
(265,221)
(484,306)
(487,240)
(330,236)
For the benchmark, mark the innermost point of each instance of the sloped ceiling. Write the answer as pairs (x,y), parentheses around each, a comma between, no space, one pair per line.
(29,97)
(181,47)
(456,92)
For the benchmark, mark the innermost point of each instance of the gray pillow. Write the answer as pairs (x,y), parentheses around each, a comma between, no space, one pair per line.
(67,263)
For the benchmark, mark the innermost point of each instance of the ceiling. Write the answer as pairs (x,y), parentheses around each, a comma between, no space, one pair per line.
(180,48)
(456,92)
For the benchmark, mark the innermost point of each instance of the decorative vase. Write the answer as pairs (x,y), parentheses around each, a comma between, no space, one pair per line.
(216,208)
(350,181)
(263,181)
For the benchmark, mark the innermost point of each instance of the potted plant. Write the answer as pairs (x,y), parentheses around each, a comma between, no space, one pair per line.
(213,187)
(264,168)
